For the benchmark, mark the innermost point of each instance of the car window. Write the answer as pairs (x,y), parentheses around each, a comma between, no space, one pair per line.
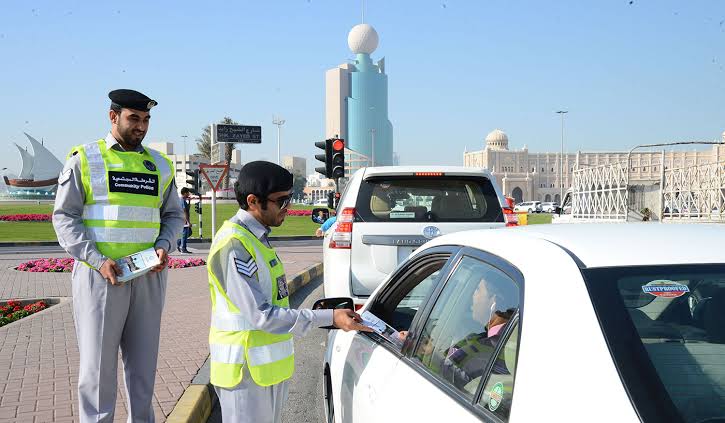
(677,313)
(497,394)
(465,324)
(398,307)
(428,199)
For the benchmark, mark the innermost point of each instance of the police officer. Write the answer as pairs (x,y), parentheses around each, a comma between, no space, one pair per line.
(116,197)
(250,339)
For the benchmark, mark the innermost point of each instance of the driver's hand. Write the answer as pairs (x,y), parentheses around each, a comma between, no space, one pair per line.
(348,320)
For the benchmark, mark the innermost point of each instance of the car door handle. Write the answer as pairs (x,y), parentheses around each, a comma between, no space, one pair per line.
(371,393)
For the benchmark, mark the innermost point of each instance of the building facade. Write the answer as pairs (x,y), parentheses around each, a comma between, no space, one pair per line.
(295,165)
(527,176)
(356,102)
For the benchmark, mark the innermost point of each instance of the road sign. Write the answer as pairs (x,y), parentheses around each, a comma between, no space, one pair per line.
(226,133)
(214,174)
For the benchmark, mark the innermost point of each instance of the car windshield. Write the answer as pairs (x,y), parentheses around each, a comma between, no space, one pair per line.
(428,199)
(665,326)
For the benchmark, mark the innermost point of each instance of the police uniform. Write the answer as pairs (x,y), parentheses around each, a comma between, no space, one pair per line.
(250,338)
(111,203)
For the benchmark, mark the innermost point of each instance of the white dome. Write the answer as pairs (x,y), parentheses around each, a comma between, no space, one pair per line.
(362,39)
(497,140)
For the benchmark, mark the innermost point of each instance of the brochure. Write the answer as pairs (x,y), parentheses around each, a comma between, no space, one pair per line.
(381,328)
(137,264)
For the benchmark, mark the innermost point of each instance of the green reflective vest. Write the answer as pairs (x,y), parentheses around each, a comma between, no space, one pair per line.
(234,342)
(124,191)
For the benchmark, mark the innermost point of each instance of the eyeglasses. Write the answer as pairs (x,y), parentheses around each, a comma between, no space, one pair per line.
(282,202)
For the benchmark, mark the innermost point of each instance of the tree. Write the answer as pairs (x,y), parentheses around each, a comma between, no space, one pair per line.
(298,186)
(203,143)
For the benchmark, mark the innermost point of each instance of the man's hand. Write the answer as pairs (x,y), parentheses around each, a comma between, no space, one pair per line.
(163,258)
(348,320)
(109,269)
(319,233)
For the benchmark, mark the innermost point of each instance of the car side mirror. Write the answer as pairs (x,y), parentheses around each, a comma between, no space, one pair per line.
(557,210)
(320,215)
(333,304)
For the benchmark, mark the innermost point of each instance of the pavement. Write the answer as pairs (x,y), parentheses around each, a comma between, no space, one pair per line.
(39,354)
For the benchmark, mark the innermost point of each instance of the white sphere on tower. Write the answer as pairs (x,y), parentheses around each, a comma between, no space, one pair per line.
(362,39)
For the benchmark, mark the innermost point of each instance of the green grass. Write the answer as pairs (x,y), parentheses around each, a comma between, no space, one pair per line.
(538,218)
(43,231)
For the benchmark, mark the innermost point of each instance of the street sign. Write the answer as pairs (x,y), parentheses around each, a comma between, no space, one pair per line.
(214,174)
(225,133)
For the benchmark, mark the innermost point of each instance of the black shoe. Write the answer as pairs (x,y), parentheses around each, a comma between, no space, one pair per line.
(178,249)
(186,251)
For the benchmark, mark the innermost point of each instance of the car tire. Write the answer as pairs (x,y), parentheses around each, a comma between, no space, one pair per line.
(329,404)
(530,211)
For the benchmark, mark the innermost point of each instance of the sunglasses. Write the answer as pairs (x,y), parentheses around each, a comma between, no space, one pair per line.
(282,202)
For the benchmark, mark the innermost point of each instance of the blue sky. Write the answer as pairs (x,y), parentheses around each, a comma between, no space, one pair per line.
(650,71)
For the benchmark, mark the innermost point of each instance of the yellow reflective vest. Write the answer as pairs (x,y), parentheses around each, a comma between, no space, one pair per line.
(234,342)
(124,192)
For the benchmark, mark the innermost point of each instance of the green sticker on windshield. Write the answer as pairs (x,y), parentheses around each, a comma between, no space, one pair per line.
(495,396)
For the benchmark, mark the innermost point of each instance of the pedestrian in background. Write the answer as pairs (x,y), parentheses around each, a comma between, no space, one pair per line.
(250,339)
(185,199)
(115,197)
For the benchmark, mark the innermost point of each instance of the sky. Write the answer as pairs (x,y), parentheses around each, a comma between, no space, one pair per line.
(628,72)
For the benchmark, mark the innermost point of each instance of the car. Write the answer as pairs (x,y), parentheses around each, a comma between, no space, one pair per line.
(549,206)
(597,323)
(528,207)
(385,213)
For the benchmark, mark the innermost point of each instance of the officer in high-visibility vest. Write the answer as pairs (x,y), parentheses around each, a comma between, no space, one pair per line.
(116,197)
(250,339)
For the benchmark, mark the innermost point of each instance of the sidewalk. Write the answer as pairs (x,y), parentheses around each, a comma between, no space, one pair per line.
(39,354)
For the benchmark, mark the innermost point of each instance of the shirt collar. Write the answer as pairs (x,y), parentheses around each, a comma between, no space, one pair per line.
(255,227)
(111,141)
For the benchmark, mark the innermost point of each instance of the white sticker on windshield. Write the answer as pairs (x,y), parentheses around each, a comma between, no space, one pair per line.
(402,215)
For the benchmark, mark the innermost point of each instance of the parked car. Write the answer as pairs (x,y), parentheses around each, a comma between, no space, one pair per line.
(386,213)
(529,207)
(549,206)
(596,323)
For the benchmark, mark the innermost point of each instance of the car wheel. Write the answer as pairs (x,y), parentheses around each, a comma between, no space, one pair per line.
(530,211)
(329,404)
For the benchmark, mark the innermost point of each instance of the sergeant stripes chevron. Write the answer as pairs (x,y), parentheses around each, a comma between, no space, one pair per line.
(247,268)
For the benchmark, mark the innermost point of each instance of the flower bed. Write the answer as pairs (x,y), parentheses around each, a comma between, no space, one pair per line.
(14,310)
(299,212)
(25,217)
(66,264)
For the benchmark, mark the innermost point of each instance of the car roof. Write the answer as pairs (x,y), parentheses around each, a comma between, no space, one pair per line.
(409,170)
(608,244)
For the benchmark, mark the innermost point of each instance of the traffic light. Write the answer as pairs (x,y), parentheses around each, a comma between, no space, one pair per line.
(325,158)
(338,158)
(195,181)
(197,207)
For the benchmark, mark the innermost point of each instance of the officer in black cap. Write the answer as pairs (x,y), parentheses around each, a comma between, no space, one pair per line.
(250,312)
(116,198)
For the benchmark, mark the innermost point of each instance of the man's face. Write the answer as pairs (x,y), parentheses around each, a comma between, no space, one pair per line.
(269,210)
(481,304)
(186,195)
(130,126)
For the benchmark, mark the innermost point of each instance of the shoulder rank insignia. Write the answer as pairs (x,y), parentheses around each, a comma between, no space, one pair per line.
(248,268)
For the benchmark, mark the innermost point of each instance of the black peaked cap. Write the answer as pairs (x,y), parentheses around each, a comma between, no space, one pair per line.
(263,178)
(131,99)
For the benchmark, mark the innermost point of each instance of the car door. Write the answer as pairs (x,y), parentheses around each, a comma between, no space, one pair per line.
(460,355)
(395,214)
(362,363)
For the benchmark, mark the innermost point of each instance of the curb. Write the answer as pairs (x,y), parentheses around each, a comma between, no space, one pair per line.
(190,241)
(199,398)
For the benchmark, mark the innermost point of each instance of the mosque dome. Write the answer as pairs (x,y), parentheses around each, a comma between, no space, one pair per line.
(497,140)
(362,39)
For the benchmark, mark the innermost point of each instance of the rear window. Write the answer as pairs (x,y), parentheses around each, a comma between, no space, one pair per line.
(428,199)
(665,326)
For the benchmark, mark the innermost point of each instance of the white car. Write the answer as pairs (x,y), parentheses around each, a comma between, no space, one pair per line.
(549,206)
(546,323)
(528,207)
(386,213)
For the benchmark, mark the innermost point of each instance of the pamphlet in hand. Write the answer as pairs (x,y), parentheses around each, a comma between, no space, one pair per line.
(137,264)
(381,328)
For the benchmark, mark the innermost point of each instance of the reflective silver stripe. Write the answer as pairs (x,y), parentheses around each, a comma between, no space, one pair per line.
(259,356)
(162,165)
(229,354)
(97,168)
(130,235)
(131,213)
(229,321)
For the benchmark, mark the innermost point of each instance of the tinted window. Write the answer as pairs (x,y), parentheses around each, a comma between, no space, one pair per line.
(498,391)
(423,199)
(466,323)
(676,318)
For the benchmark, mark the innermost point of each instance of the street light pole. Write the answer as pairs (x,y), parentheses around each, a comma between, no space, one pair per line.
(279,123)
(561,160)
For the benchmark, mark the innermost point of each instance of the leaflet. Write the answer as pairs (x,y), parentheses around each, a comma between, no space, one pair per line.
(137,264)
(381,328)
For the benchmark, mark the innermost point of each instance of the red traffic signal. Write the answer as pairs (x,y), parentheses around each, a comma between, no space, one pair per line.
(338,145)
